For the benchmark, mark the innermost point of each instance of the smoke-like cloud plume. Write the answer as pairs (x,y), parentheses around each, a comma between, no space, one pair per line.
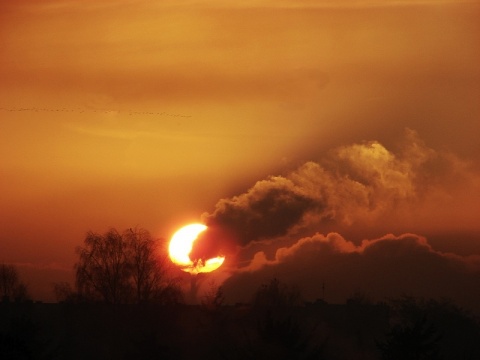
(352,184)
(267,210)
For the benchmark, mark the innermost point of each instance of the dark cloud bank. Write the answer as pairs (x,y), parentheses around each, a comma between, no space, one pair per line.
(351,188)
(385,267)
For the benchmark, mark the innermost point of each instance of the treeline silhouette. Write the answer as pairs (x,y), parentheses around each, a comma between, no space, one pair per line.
(125,304)
(270,327)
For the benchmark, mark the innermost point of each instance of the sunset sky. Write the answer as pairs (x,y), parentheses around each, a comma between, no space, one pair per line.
(335,142)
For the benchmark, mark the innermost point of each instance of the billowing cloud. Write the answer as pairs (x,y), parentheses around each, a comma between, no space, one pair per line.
(267,210)
(386,267)
(356,184)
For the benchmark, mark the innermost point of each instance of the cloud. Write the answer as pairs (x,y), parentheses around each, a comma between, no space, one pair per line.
(386,267)
(361,184)
(358,190)
(267,210)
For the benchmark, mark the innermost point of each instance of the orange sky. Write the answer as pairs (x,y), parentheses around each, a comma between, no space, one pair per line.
(123,113)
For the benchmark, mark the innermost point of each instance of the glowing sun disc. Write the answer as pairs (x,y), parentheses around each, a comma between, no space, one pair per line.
(182,242)
(181,245)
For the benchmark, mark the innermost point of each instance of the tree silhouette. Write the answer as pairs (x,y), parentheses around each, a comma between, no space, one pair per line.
(276,295)
(149,266)
(430,329)
(213,297)
(64,292)
(103,269)
(419,341)
(9,279)
(279,331)
(10,284)
(123,268)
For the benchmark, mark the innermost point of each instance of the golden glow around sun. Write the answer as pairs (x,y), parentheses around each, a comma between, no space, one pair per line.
(181,245)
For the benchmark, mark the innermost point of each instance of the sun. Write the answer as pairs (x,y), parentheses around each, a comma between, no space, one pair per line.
(181,245)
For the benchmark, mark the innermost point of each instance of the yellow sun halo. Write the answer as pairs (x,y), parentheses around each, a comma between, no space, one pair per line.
(181,245)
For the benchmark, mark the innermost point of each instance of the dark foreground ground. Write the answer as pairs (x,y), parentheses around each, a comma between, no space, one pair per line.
(406,329)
